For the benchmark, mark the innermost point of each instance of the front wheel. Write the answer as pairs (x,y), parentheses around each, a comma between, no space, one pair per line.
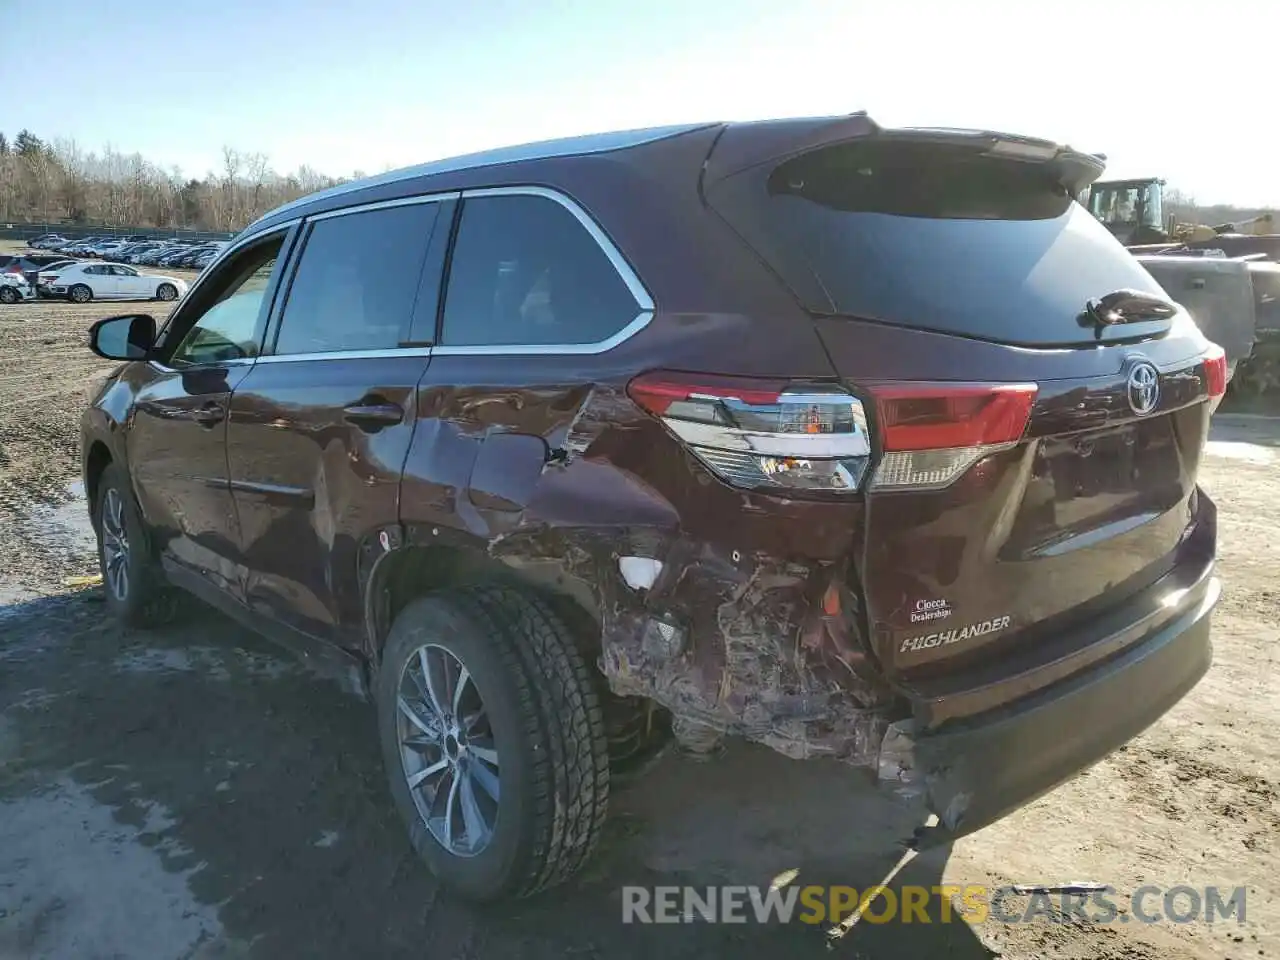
(9,295)
(166,291)
(134,585)
(493,740)
(80,294)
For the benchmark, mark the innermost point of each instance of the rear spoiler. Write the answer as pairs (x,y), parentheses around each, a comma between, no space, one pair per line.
(743,146)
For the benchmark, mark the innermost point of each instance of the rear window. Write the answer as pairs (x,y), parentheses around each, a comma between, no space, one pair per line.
(939,237)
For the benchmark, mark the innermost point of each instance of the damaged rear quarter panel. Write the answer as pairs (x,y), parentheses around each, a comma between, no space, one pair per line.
(560,478)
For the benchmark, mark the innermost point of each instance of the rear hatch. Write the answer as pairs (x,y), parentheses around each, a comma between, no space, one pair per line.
(1038,407)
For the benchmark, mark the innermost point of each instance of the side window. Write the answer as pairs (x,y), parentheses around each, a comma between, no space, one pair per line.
(95,270)
(227,327)
(526,271)
(357,281)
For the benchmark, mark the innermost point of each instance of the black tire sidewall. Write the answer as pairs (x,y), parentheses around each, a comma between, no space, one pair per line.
(162,288)
(8,295)
(133,609)
(436,619)
(71,294)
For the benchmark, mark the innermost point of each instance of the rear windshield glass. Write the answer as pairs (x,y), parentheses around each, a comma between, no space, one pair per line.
(939,237)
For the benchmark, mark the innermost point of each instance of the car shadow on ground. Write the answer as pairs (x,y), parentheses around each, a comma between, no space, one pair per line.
(275,803)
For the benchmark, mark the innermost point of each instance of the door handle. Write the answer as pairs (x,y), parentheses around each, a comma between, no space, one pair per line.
(373,414)
(210,415)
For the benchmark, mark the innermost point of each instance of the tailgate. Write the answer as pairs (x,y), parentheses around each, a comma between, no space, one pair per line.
(1040,405)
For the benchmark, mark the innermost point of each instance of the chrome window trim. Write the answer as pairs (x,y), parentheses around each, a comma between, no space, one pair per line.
(235,247)
(278,313)
(635,286)
(346,355)
(628,275)
(232,248)
(386,204)
(643,300)
(233,362)
(558,349)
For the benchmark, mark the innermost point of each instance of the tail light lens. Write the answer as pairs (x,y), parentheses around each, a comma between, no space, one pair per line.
(763,435)
(934,432)
(1215,372)
(776,436)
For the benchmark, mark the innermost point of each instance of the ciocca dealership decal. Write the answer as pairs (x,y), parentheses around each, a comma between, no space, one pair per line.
(925,610)
(945,637)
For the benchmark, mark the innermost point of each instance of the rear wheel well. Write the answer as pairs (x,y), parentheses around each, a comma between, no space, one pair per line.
(95,464)
(636,728)
(410,572)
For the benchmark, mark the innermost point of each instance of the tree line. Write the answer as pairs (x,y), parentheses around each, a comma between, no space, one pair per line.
(54,181)
(57,181)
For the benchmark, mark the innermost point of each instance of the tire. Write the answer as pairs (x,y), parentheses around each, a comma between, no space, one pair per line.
(133,583)
(9,295)
(531,706)
(80,294)
(166,292)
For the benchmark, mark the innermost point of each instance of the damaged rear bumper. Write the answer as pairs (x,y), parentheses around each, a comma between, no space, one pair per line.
(975,771)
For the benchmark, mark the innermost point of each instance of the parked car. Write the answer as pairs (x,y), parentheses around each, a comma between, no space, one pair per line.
(14,288)
(78,248)
(189,258)
(48,274)
(204,259)
(127,248)
(46,241)
(174,258)
(862,443)
(138,251)
(82,282)
(147,250)
(28,264)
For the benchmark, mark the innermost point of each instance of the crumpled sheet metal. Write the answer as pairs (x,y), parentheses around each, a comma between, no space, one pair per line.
(759,657)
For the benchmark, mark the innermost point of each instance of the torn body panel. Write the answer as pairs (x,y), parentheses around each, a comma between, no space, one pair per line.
(734,611)
(729,644)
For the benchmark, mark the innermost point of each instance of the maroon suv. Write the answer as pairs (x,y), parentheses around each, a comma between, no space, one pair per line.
(861,443)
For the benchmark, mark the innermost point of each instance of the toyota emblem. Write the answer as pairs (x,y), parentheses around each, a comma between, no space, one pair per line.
(1144,387)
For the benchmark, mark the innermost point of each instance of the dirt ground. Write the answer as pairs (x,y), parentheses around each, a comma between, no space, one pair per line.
(193,793)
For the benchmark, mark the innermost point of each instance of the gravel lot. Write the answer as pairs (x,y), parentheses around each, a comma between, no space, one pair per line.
(192,793)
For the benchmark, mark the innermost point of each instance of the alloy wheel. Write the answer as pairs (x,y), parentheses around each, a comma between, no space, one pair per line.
(115,545)
(447,750)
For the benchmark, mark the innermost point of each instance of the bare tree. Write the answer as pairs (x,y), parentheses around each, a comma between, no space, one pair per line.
(60,179)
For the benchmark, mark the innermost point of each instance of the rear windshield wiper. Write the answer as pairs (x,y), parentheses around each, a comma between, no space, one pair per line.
(1125,306)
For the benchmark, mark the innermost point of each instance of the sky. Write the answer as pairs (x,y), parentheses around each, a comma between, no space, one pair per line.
(386,83)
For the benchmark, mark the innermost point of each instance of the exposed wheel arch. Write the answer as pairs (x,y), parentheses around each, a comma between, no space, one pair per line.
(403,574)
(96,463)
(638,729)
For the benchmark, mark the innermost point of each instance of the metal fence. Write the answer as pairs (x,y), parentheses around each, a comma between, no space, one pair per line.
(74,231)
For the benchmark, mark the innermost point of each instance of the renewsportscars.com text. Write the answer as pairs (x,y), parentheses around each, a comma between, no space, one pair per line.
(945,903)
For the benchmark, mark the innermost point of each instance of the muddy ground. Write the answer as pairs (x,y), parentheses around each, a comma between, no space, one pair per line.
(193,793)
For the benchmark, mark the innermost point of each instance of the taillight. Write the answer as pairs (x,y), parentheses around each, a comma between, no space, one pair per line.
(933,432)
(776,436)
(1215,371)
(763,435)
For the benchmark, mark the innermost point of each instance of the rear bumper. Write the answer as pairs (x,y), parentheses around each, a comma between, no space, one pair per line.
(975,772)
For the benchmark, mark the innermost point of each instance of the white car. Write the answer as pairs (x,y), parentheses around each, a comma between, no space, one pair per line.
(15,288)
(83,282)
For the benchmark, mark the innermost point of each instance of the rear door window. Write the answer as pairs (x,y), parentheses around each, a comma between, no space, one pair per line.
(525,271)
(357,281)
(938,237)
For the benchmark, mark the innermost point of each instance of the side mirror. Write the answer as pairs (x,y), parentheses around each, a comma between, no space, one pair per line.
(130,337)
